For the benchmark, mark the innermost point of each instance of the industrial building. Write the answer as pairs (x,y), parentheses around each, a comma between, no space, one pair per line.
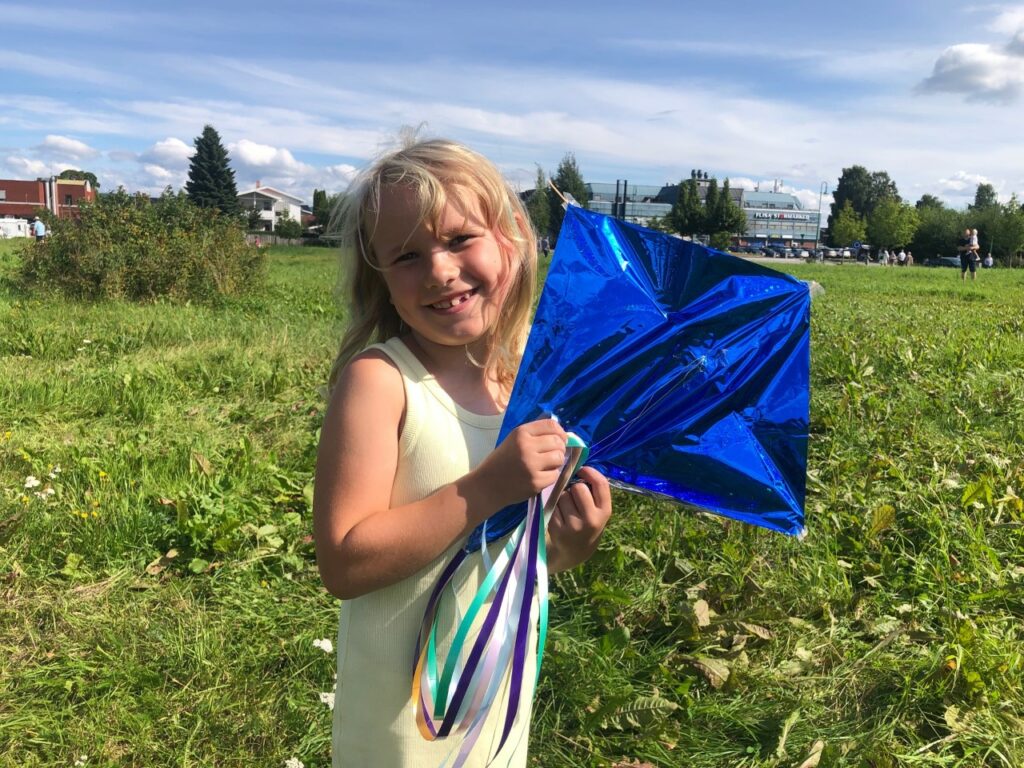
(774,219)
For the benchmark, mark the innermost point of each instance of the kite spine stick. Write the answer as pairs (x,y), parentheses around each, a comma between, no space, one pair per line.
(565,203)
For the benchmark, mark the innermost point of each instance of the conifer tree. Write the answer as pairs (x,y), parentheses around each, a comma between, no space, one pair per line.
(537,206)
(730,218)
(687,216)
(211,182)
(321,207)
(569,180)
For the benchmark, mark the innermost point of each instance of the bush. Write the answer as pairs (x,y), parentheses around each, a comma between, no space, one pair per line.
(288,227)
(124,246)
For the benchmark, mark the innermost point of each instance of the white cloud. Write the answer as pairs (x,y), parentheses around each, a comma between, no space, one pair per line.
(256,157)
(960,184)
(28,168)
(983,71)
(171,152)
(343,172)
(162,175)
(1008,21)
(62,146)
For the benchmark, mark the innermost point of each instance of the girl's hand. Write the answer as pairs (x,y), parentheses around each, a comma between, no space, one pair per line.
(528,460)
(578,521)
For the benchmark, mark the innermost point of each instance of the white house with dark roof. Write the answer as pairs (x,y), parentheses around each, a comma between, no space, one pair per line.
(272,204)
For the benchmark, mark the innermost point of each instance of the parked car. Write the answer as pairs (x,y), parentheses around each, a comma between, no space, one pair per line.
(831,253)
(942,261)
(845,253)
(803,253)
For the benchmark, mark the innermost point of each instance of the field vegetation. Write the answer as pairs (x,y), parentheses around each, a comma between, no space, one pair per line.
(129,247)
(159,602)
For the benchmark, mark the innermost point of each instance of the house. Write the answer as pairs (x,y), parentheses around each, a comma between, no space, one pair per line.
(23,199)
(272,204)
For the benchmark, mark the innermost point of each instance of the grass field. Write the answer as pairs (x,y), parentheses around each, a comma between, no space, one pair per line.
(159,600)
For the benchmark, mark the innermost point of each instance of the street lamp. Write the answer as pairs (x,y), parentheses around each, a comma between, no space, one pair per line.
(817,232)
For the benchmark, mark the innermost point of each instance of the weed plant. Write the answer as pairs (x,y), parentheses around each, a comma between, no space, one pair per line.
(159,601)
(126,247)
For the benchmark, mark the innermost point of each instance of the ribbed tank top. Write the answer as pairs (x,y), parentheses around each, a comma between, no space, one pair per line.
(374,723)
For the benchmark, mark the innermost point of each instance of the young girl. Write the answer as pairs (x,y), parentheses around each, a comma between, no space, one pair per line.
(442,263)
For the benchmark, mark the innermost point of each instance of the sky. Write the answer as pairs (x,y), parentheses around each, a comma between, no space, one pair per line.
(777,94)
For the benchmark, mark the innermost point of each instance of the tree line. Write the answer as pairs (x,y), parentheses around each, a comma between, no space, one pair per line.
(867,207)
(714,217)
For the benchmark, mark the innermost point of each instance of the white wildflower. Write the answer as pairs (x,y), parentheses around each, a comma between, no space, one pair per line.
(87,341)
(324,645)
(81,761)
(293,762)
(54,472)
(328,699)
(32,482)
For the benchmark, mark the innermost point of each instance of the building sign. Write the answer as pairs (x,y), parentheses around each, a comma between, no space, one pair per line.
(783,215)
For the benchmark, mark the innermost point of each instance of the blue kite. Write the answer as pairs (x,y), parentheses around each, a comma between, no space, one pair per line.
(684,369)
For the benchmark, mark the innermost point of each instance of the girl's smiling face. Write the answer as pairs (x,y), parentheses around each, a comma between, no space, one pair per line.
(447,284)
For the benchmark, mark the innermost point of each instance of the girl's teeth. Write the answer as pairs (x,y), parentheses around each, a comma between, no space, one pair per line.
(452,302)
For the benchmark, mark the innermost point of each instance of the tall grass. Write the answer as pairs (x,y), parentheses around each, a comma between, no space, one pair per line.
(159,606)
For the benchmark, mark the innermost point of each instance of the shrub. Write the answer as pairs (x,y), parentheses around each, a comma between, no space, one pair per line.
(124,246)
(288,227)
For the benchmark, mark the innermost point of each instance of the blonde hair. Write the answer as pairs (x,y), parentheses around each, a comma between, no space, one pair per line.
(437,170)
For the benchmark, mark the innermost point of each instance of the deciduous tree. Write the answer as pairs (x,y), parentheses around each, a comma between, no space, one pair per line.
(848,227)
(985,197)
(863,190)
(937,232)
(77,175)
(929,201)
(892,223)
(288,227)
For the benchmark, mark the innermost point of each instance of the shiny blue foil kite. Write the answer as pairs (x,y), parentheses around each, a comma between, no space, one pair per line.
(686,371)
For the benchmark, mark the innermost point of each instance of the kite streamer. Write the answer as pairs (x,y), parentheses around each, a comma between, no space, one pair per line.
(488,652)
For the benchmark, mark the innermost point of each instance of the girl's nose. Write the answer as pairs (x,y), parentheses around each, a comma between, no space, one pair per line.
(443,267)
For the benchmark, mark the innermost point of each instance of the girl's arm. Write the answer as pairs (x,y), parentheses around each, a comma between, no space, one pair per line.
(362,544)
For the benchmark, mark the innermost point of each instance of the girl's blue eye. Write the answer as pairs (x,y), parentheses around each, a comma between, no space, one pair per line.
(459,239)
(405,257)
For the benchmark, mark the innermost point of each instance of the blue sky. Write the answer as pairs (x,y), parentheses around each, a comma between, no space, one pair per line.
(931,91)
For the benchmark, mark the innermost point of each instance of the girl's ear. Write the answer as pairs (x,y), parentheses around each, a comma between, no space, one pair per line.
(521,224)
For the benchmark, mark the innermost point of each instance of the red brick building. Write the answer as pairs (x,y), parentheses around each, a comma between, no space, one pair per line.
(21,199)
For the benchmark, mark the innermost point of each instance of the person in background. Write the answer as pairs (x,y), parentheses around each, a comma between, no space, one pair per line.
(963,246)
(38,229)
(988,262)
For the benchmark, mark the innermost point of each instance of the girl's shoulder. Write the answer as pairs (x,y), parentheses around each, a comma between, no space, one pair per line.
(371,377)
